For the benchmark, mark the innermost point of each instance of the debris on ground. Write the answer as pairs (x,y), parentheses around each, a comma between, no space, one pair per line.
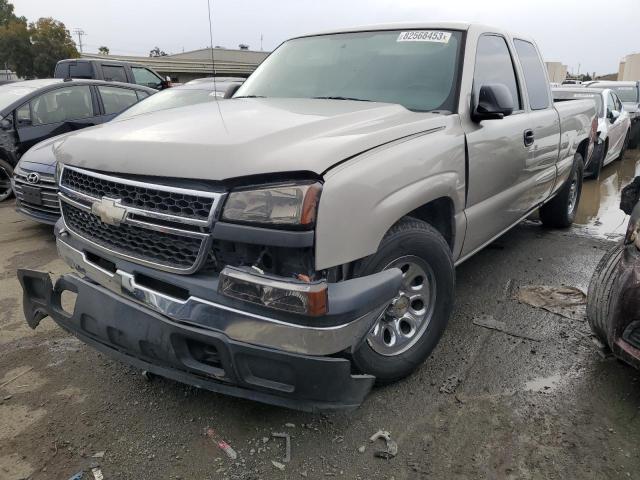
(290,425)
(568,302)
(278,465)
(97,474)
(391,449)
(16,377)
(98,454)
(450,384)
(362,448)
(287,440)
(487,321)
(222,445)
(77,476)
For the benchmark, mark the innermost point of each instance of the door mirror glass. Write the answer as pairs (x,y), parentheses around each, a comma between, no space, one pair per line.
(5,124)
(494,102)
(615,114)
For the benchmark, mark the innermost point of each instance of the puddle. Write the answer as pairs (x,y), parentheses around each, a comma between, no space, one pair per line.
(599,211)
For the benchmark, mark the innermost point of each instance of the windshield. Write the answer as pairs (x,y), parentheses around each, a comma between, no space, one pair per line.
(170,98)
(627,94)
(10,94)
(416,69)
(559,95)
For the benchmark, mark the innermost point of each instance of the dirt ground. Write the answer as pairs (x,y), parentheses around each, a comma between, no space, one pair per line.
(517,408)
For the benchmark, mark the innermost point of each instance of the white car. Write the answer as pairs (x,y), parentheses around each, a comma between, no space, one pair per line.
(614,125)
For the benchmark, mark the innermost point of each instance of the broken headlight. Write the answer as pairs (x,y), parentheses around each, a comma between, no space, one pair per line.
(277,205)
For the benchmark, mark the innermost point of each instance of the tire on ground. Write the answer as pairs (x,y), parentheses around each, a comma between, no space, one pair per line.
(557,213)
(5,167)
(601,293)
(410,237)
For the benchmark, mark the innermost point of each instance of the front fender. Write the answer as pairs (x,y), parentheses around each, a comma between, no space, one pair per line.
(362,198)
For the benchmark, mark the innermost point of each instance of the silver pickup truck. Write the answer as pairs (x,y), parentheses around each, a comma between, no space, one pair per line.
(297,243)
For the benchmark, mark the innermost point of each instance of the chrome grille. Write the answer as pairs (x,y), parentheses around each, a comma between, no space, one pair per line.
(144,231)
(165,249)
(48,192)
(145,197)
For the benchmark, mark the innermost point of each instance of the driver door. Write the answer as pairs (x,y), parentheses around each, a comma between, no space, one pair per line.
(55,112)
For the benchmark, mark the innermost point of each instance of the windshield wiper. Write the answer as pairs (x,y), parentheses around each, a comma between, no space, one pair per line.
(343,98)
(251,96)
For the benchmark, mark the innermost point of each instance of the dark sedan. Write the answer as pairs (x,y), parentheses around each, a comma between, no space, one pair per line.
(35,110)
(33,178)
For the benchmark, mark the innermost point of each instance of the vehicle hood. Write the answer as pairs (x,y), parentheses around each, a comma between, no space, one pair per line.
(43,154)
(240,137)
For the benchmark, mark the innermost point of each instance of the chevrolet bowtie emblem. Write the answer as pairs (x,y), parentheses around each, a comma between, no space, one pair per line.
(109,211)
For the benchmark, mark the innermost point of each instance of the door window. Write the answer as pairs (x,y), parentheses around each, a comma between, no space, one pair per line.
(144,76)
(115,99)
(62,104)
(494,65)
(617,102)
(611,103)
(534,76)
(114,73)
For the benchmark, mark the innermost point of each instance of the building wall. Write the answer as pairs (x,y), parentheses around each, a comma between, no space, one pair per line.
(630,68)
(557,71)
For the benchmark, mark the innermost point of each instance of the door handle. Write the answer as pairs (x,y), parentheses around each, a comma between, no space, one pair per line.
(529,138)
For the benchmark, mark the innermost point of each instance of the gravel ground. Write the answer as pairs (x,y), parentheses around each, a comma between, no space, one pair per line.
(485,405)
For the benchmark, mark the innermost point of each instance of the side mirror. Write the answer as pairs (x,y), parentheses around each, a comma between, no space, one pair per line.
(231,90)
(615,114)
(5,124)
(494,102)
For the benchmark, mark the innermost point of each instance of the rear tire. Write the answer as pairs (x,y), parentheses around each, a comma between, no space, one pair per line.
(625,145)
(601,295)
(6,174)
(390,351)
(593,173)
(560,212)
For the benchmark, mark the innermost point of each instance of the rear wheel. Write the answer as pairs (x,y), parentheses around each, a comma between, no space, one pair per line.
(593,173)
(601,295)
(625,145)
(561,211)
(411,326)
(6,174)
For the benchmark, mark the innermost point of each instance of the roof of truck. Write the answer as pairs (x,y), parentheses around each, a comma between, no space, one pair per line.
(413,26)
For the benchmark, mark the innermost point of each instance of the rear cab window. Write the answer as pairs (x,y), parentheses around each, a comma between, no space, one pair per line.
(534,75)
(80,70)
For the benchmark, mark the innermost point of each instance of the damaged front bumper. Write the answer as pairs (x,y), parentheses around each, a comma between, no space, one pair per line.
(213,343)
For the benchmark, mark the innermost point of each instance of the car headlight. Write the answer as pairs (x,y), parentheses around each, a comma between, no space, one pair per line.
(278,205)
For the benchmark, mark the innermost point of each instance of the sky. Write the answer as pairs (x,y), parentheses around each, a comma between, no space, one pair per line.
(579,33)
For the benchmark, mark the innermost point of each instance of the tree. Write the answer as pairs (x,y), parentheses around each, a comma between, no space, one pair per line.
(15,48)
(103,50)
(50,42)
(156,52)
(7,16)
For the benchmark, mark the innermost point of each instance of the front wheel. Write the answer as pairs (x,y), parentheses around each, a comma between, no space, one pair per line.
(6,174)
(560,212)
(412,324)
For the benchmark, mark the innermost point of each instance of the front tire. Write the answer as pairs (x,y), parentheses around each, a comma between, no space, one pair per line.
(410,328)
(560,212)
(6,174)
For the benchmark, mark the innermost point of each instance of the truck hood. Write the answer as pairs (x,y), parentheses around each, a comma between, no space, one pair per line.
(240,137)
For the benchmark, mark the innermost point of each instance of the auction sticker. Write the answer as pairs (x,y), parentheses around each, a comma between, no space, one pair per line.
(424,36)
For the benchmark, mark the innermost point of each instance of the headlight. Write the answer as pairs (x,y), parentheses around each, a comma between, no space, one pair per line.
(280,205)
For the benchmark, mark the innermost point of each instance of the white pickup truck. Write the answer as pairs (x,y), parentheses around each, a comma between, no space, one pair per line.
(297,242)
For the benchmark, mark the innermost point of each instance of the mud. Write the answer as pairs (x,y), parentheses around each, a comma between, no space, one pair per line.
(552,409)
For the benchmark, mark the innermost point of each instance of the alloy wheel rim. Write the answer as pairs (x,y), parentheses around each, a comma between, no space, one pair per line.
(409,314)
